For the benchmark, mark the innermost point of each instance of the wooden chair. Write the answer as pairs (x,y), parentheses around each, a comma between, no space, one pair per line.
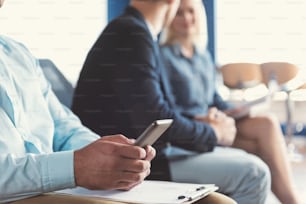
(283,73)
(241,75)
(242,80)
(286,76)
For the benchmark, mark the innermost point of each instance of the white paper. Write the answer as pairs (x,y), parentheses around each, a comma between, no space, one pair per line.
(149,192)
(243,109)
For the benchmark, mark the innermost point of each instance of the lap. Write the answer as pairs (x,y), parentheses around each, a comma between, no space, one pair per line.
(255,124)
(225,167)
(213,198)
(50,198)
(216,198)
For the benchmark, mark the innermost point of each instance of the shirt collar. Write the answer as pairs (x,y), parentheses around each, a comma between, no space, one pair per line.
(178,51)
(133,11)
(152,31)
(4,44)
(1,40)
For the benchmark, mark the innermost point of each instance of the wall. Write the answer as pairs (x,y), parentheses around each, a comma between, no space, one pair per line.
(259,31)
(61,30)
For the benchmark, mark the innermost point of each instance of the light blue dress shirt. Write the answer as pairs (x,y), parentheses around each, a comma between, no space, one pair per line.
(37,133)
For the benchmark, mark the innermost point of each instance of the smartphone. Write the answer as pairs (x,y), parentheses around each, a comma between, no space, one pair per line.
(153,132)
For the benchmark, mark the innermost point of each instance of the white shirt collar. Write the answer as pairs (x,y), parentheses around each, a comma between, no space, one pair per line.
(152,31)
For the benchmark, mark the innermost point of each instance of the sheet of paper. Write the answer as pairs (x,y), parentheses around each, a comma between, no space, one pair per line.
(243,109)
(150,192)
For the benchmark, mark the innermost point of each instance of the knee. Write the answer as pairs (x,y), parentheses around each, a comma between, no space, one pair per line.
(259,177)
(255,185)
(269,122)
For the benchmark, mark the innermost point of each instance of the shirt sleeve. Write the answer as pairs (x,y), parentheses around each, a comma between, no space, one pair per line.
(220,103)
(34,174)
(69,133)
(26,174)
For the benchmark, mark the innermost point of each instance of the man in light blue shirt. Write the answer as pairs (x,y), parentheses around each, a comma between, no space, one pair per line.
(38,135)
(43,145)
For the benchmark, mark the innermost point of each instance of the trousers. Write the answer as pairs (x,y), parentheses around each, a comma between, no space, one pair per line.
(242,176)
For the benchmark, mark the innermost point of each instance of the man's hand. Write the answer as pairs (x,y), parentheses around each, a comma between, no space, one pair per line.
(112,162)
(224,126)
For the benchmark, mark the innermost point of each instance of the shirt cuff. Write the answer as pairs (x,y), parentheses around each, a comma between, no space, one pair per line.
(58,171)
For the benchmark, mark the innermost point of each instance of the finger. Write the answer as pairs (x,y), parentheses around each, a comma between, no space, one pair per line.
(131,151)
(133,185)
(151,152)
(118,138)
(123,150)
(129,177)
(221,114)
(229,121)
(129,165)
(213,109)
(212,112)
(125,186)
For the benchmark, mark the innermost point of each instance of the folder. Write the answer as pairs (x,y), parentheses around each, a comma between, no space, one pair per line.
(150,192)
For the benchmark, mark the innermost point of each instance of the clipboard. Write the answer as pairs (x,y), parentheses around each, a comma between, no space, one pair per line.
(150,192)
(194,195)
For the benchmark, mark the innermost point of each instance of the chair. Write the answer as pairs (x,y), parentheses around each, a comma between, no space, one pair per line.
(283,73)
(241,75)
(286,76)
(62,88)
(243,80)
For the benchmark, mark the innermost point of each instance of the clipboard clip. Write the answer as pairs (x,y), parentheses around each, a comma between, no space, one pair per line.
(194,195)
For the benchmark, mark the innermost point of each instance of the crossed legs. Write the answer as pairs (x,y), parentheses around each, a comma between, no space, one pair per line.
(262,136)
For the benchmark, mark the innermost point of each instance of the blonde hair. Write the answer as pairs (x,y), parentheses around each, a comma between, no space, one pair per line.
(200,38)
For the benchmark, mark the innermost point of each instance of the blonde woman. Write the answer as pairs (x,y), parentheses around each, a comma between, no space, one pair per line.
(192,77)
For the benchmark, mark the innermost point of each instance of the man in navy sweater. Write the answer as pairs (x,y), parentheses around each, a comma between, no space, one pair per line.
(123,87)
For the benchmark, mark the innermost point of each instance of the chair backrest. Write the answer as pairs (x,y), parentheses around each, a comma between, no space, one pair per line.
(281,71)
(62,88)
(241,75)
(286,75)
